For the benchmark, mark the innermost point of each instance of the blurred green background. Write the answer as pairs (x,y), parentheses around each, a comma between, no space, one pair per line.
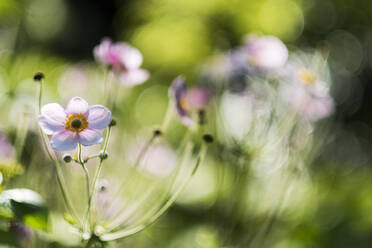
(177,37)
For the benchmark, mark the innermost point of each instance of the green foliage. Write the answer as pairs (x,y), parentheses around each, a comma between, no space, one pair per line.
(10,168)
(24,205)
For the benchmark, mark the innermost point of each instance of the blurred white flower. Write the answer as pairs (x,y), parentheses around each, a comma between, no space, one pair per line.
(159,160)
(307,86)
(265,52)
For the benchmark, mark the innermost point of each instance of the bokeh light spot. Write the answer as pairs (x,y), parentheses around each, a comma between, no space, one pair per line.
(283,18)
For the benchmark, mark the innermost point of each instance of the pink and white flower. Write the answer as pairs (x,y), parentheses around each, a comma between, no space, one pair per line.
(159,160)
(77,124)
(6,149)
(124,60)
(188,101)
(312,103)
(265,52)
(307,89)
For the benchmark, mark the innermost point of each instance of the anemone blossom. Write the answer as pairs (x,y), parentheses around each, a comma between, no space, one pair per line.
(124,60)
(77,124)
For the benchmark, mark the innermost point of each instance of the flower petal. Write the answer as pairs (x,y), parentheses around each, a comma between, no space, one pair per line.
(178,88)
(64,140)
(102,50)
(90,137)
(198,98)
(129,56)
(187,121)
(6,148)
(77,105)
(179,92)
(52,118)
(266,52)
(133,77)
(99,117)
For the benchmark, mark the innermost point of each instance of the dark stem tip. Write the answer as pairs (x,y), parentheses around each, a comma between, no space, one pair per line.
(67,158)
(112,123)
(208,138)
(103,155)
(157,133)
(38,76)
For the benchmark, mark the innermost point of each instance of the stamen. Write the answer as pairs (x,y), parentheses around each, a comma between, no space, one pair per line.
(76,122)
(306,76)
(184,104)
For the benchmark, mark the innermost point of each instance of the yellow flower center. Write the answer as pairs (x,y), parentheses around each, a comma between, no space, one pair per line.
(306,76)
(184,104)
(253,61)
(76,122)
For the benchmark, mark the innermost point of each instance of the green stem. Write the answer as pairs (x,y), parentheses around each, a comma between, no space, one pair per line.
(87,158)
(97,174)
(21,134)
(87,181)
(167,118)
(145,148)
(60,178)
(112,94)
(124,215)
(132,230)
(105,84)
(143,151)
(164,126)
(40,97)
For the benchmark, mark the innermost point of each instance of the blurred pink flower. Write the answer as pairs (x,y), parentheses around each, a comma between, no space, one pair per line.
(307,88)
(78,123)
(108,202)
(124,60)
(6,149)
(311,102)
(188,101)
(198,98)
(159,160)
(20,231)
(265,52)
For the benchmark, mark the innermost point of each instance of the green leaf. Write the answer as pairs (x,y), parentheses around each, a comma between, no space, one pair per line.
(37,220)
(7,238)
(70,219)
(25,205)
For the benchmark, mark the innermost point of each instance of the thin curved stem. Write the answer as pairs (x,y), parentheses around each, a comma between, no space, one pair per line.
(161,211)
(21,135)
(124,215)
(167,117)
(97,174)
(87,181)
(150,141)
(51,155)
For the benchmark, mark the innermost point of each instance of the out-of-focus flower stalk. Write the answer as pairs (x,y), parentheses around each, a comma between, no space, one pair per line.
(51,155)
(112,92)
(155,135)
(87,181)
(21,134)
(97,174)
(148,220)
(124,215)
(142,153)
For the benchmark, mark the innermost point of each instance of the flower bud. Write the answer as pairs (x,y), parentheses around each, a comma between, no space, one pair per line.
(103,155)
(67,158)
(208,138)
(38,76)
(102,185)
(157,132)
(112,123)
